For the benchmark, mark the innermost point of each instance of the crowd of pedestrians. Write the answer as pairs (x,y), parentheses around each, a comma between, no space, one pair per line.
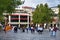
(39,29)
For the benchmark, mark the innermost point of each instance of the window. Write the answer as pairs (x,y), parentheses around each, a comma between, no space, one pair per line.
(14,16)
(23,20)
(23,16)
(14,20)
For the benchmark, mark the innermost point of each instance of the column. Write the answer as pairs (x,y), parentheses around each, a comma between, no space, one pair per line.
(19,20)
(9,20)
(28,21)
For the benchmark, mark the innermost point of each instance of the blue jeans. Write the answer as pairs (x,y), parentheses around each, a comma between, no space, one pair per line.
(51,33)
(54,33)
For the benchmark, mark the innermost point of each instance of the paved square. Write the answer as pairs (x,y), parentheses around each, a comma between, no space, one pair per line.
(28,36)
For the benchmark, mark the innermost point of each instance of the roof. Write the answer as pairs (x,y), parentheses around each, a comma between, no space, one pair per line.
(55,7)
(28,7)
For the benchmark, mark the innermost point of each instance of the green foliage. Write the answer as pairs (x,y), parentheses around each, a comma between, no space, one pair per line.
(42,14)
(13,3)
(59,11)
(8,6)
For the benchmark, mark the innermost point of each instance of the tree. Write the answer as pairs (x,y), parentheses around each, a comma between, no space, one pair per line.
(8,6)
(48,14)
(13,4)
(59,11)
(42,14)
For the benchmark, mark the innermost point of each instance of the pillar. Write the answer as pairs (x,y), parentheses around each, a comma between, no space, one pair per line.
(28,21)
(9,20)
(19,20)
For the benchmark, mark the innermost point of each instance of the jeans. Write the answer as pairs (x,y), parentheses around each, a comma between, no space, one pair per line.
(51,33)
(54,33)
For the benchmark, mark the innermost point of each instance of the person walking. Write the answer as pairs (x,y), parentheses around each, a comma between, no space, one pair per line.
(7,28)
(27,28)
(40,29)
(55,30)
(32,30)
(15,29)
(23,29)
(51,31)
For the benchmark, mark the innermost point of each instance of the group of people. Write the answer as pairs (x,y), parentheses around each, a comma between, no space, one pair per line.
(53,30)
(39,29)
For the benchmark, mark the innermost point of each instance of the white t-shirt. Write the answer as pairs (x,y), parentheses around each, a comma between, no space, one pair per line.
(40,28)
(31,27)
(52,29)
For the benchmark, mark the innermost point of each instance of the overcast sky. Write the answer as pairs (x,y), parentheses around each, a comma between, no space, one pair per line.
(33,3)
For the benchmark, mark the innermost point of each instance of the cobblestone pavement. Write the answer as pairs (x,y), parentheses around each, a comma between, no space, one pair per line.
(28,36)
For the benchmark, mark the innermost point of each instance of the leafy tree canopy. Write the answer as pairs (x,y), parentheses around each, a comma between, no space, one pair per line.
(8,6)
(42,14)
(59,11)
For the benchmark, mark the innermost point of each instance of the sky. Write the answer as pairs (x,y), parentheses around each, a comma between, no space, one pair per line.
(34,3)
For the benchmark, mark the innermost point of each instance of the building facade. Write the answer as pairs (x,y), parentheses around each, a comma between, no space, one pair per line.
(55,18)
(21,16)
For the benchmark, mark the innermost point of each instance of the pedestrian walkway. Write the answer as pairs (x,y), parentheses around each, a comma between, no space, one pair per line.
(28,36)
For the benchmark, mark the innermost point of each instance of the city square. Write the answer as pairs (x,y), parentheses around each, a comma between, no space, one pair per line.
(30,20)
(28,36)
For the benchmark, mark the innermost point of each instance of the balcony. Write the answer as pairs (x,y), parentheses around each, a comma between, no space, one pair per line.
(23,18)
(14,18)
